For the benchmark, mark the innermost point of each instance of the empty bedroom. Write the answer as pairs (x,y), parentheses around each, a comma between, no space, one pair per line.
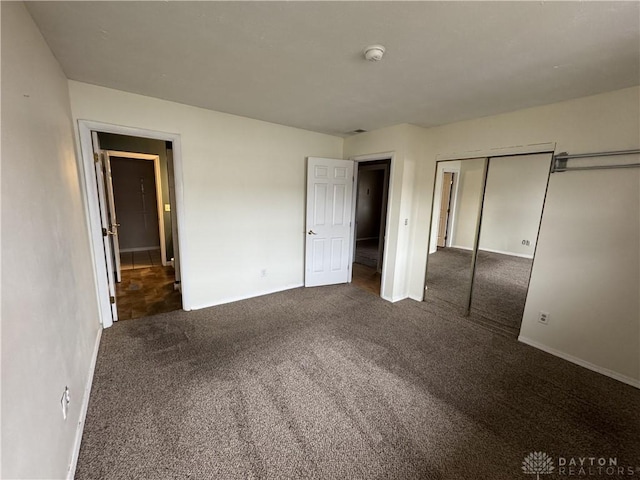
(329,240)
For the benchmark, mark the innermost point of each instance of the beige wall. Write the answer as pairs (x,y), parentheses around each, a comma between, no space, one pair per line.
(244,191)
(512,207)
(513,202)
(406,142)
(49,310)
(593,321)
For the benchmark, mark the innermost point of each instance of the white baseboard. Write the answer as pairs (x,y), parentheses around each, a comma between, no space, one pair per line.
(83,409)
(511,254)
(246,297)
(490,250)
(397,298)
(583,363)
(460,247)
(139,249)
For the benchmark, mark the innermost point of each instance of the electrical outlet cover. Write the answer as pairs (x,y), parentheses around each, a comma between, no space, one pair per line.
(544,318)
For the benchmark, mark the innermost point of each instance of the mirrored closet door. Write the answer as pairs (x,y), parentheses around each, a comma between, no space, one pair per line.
(482,244)
(454,224)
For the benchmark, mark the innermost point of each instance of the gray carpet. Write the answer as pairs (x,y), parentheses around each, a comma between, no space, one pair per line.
(500,286)
(335,383)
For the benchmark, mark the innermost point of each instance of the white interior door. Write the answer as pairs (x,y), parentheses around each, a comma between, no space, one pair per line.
(328,228)
(111,210)
(104,220)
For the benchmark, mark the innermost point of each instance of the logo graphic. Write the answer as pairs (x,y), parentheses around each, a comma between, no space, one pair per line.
(537,463)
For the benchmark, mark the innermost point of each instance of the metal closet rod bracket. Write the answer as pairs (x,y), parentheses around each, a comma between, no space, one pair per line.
(560,161)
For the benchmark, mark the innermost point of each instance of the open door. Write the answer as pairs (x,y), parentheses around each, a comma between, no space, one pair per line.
(328,227)
(105,220)
(111,210)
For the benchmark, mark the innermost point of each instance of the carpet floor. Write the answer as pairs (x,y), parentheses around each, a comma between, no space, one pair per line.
(500,286)
(335,383)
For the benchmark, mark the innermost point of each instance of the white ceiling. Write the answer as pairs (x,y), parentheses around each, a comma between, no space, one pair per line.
(301,63)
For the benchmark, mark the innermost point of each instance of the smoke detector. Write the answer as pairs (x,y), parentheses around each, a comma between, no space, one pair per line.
(374,53)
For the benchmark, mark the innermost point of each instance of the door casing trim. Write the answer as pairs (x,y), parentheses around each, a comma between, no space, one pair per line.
(385,259)
(89,193)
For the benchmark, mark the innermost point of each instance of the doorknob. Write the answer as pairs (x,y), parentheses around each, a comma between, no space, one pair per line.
(311,232)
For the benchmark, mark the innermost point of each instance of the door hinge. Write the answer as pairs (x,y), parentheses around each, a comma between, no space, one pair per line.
(112,299)
(104,232)
(96,157)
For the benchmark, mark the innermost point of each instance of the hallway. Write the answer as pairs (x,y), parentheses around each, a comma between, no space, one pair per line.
(147,291)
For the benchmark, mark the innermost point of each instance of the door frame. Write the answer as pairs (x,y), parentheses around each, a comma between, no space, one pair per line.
(89,193)
(385,259)
(453,202)
(451,215)
(159,198)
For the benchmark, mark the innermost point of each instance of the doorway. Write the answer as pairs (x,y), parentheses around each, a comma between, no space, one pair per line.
(372,192)
(446,212)
(133,175)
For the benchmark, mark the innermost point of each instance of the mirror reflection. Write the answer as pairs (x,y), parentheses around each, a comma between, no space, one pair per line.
(454,220)
(511,213)
(483,236)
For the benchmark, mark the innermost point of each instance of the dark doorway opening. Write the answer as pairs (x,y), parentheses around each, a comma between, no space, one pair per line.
(144,224)
(371,216)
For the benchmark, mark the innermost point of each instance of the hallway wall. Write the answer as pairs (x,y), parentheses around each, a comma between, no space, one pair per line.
(244,191)
(50,320)
(125,143)
(135,198)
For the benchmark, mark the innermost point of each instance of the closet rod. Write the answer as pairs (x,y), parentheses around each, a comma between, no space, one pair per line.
(560,161)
